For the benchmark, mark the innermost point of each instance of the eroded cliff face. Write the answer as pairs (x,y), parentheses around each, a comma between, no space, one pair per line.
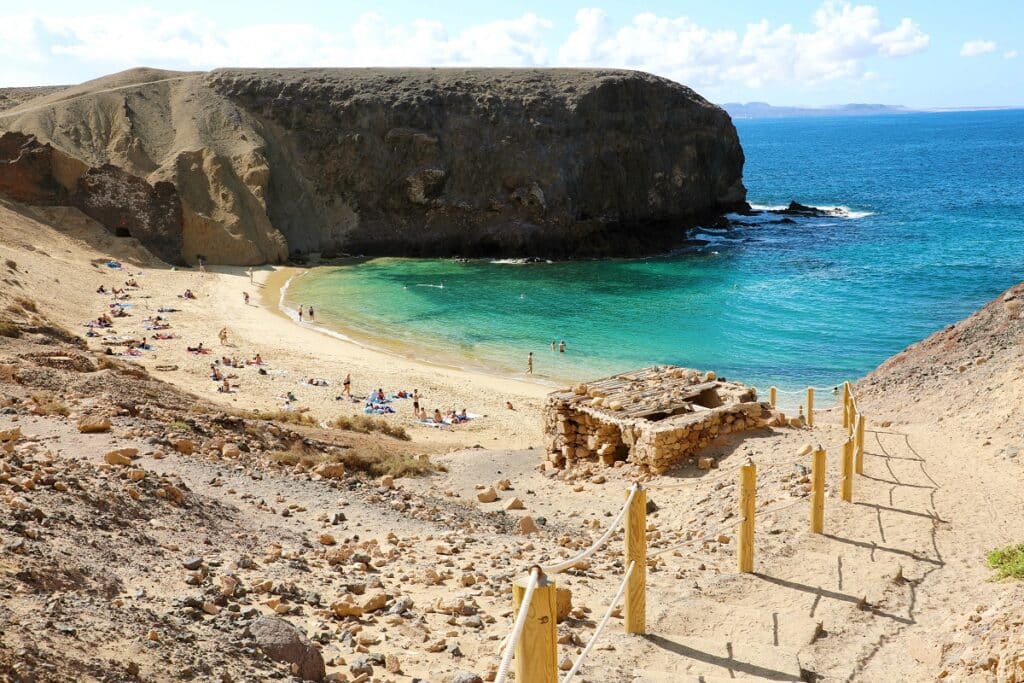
(554,162)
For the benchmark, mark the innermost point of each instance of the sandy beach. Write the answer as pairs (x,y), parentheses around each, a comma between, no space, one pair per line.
(293,352)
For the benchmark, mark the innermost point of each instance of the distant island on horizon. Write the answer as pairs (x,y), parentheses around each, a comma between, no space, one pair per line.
(763,110)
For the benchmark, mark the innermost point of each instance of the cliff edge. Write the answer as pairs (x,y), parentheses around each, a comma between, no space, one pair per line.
(245,166)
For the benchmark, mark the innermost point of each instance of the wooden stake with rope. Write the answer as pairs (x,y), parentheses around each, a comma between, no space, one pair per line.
(772,396)
(748,492)
(635,526)
(536,655)
(846,490)
(810,406)
(859,441)
(818,491)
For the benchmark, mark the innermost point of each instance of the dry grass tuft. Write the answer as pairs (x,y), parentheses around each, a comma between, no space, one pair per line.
(9,329)
(50,406)
(365,424)
(394,464)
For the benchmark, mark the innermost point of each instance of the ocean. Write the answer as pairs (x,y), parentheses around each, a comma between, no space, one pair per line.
(933,227)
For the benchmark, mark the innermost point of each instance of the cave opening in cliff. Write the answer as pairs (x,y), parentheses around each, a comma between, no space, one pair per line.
(122,232)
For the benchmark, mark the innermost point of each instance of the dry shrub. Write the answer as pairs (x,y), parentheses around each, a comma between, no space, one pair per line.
(27,304)
(9,329)
(375,465)
(50,406)
(365,424)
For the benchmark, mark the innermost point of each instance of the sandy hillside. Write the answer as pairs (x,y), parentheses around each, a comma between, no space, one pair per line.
(171,563)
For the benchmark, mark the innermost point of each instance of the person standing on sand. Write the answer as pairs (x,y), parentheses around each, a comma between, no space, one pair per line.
(529,364)
(300,313)
(561,346)
(310,314)
(245,298)
(346,386)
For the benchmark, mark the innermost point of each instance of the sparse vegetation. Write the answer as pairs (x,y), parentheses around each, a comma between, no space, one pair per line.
(394,464)
(27,304)
(1008,562)
(364,424)
(50,406)
(180,426)
(9,329)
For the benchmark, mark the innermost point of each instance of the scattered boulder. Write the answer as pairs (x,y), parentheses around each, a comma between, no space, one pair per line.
(285,643)
(330,470)
(488,495)
(526,526)
(94,424)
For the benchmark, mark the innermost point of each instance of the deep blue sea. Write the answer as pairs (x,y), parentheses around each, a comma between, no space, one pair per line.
(935,228)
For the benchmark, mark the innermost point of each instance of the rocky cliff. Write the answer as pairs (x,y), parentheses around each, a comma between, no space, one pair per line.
(555,162)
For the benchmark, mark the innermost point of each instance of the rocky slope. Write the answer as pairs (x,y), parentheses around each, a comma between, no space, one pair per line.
(415,161)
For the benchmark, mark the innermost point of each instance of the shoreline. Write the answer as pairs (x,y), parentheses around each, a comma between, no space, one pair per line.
(275,293)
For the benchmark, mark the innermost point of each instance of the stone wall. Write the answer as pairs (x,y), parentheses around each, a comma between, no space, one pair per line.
(575,433)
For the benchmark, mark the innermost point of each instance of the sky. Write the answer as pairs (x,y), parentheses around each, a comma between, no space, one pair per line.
(918,53)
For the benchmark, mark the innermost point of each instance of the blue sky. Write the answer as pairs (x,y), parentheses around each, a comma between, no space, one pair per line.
(917,53)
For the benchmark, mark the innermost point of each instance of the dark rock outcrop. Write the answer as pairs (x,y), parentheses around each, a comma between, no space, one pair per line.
(243,166)
(556,162)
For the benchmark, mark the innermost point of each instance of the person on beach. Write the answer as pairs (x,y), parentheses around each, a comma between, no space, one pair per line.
(346,386)
(529,363)
(300,313)
(101,290)
(245,298)
(552,345)
(310,314)
(225,388)
(508,404)
(437,416)
(561,346)
(215,373)
(258,359)
(223,336)
(250,271)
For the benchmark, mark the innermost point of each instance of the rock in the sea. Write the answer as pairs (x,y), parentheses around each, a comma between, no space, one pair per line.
(285,643)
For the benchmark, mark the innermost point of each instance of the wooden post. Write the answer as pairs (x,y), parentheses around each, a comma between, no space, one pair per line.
(772,395)
(859,436)
(810,406)
(818,491)
(748,489)
(847,482)
(846,404)
(636,551)
(536,657)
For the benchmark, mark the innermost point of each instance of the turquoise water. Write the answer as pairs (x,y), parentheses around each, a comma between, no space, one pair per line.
(935,228)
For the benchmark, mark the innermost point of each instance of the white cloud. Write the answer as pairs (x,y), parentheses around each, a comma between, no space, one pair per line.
(973,48)
(1010,54)
(843,37)
(839,43)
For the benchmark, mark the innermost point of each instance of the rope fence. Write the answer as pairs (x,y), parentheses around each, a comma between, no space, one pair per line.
(531,645)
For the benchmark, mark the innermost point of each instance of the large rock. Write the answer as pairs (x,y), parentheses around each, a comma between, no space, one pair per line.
(241,166)
(285,643)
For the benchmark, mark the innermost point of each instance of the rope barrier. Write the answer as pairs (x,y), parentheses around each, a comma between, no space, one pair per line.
(599,543)
(517,628)
(600,626)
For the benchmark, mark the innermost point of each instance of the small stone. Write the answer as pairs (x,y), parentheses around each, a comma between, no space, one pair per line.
(514,504)
(565,664)
(184,446)
(326,539)
(526,526)
(192,563)
(488,495)
(231,450)
(121,456)
(93,424)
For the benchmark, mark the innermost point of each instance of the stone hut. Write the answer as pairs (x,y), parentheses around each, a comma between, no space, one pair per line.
(656,417)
